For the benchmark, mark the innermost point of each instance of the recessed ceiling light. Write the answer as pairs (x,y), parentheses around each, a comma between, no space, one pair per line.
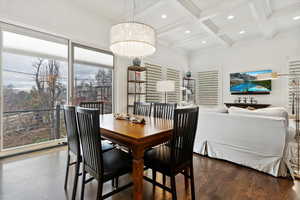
(296,17)
(203,42)
(242,32)
(230,17)
(187,31)
(164,16)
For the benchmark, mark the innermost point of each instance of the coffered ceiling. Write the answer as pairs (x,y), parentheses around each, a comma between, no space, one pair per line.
(192,25)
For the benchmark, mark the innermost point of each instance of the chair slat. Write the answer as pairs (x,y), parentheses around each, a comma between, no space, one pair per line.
(141,108)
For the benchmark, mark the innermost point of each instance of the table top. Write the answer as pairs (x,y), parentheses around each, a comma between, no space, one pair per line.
(152,127)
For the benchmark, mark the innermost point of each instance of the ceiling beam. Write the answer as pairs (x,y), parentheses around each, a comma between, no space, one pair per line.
(214,30)
(191,7)
(172,26)
(206,24)
(269,10)
(203,15)
(260,11)
(290,10)
(143,10)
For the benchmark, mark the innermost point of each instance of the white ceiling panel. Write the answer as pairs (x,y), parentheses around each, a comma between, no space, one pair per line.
(236,17)
(155,17)
(177,25)
(279,4)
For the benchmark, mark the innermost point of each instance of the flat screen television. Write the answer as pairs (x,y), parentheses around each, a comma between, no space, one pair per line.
(247,83)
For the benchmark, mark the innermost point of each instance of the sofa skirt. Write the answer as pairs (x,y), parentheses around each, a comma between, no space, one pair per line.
(270,164)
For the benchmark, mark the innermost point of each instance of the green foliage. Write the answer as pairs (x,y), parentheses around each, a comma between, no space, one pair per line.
(264,83)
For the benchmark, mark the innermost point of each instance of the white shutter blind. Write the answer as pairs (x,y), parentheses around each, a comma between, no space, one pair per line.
(208,87)
(154,74)
(294,68)
(174,75)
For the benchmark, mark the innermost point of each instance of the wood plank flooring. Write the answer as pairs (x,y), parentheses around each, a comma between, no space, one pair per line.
(40,176)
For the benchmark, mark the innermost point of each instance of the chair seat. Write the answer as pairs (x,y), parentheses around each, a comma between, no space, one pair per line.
(116,163)
(159,158)
(106,146)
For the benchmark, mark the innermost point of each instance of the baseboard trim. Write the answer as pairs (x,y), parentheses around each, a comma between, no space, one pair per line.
(12,153)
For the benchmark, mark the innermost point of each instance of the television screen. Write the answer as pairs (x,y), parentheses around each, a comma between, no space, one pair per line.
(247,83)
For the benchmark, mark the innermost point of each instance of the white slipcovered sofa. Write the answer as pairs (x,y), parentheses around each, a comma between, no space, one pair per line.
(251,140)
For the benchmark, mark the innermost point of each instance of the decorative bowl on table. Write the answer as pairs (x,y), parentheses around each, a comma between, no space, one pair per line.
(121,116)
(137,120)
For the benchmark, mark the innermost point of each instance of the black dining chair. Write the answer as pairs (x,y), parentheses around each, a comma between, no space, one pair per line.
(99,105)
(93,104)
(177,157)
(74,146)
(142,108)
(165,111)
(101,166)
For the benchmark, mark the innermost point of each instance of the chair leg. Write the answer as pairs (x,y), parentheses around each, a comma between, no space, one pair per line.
(99,190)
(113,184)
(186,179)
(164,179)
(83,183)
(67,172)
(77,167)
(173,187)
(192,182)
(117,182)
(153,176)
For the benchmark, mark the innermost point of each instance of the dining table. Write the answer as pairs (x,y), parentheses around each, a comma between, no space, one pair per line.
(137,138)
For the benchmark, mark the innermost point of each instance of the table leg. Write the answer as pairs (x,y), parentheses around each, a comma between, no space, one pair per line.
(137,173)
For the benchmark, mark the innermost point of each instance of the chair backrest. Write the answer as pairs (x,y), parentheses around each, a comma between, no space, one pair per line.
(90,138)
(141,108)
(164,110)
(182,142)
(93,104)
(72,131)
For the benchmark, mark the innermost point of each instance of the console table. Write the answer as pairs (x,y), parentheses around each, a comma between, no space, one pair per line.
(245,105)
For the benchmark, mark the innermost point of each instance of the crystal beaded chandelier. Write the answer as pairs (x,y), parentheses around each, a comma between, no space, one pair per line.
(132,39)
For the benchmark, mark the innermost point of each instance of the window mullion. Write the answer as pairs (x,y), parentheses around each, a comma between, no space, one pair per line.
(70,92)
(1,92)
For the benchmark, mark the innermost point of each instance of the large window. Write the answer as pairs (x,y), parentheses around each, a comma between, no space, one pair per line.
(34,85)
(93,76)
(37,77)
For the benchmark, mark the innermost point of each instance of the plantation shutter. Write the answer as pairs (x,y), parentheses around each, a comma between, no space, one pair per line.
(294,68)
(174,75)
(208,87)
(154,74)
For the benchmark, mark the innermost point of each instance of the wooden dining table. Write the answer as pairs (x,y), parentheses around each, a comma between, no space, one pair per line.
(138,138)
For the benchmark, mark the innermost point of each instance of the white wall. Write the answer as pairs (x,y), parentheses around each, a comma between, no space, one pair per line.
(59,17)
(63,18)
(249,56)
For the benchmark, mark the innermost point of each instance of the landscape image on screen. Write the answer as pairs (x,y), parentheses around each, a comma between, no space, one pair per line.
(247,83)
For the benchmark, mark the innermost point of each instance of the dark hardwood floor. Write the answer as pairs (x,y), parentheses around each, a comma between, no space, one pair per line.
(40,176)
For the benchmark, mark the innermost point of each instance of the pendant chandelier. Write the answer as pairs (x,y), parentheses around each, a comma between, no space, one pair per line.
(132,39)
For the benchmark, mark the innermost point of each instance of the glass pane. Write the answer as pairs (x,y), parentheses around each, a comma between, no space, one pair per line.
(92,57)
(93,83)
(34,88)
(26,44)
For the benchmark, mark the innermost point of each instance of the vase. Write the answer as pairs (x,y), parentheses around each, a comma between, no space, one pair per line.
(188,74)
(136,62)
